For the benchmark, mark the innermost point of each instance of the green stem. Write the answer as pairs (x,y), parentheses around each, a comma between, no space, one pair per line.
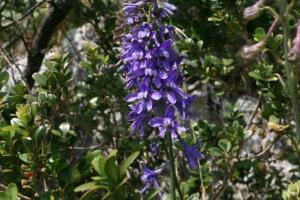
(291,76)
(202,189)
(199,165)
(172,168)
(177,183)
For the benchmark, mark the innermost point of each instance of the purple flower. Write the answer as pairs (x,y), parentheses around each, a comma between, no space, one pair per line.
(192,154)
(132,11)
(164,9)
(154,148)
(167,123)
(149,177)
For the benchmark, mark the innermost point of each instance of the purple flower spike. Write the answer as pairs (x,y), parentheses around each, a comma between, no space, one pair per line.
(152,68)
(154,79)
(150,178)
(192,154)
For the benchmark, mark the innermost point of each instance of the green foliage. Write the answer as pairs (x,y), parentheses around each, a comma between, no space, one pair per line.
(292,192)
(40,128)
(11,193)
(111,177)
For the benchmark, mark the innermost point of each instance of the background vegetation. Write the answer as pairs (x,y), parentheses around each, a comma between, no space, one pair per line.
(63,125)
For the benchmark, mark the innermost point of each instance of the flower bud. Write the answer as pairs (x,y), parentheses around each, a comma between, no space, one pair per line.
(251,52)
(253,11)
(294,53)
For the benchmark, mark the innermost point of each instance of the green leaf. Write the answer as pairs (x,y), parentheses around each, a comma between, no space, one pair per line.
(12,191)
(39,133)
(227,61)
(275,42)
(200,45)
(108,196)
(57,133)
(104,59)
(24,157)
(87,195)
(87,186)
(42,96)
(122,183)
(24,113)
(98,164)
(4,196)
(75,174)
(94,102)
(19,89)
(216,152)
(16,122)
(65,127)
(10,128)
(4,76)
(259,34)
(113,153)
(225,145)
(40,79)
(256,75)
(86,65)
(128,162)
(28,144)
(112,170)
(286,195)
(98,178)
(152,194)
(167,197)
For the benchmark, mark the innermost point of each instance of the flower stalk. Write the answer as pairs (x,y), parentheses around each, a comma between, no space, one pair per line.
(172,168)
(289,68)
(154,79)
(202,189)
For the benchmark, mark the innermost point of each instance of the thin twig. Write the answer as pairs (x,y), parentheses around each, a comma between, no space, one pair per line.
(249,123)
(226,179)
(228,175)
(86,148)
(28,12)
(13,65)
(13,75)
(260,154)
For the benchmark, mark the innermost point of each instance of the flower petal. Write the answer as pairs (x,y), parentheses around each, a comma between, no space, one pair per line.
(156,95)
(149,105)
(156,122)
(171,97)
(131,97)
(181,129)
(170,112)
(162,132)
